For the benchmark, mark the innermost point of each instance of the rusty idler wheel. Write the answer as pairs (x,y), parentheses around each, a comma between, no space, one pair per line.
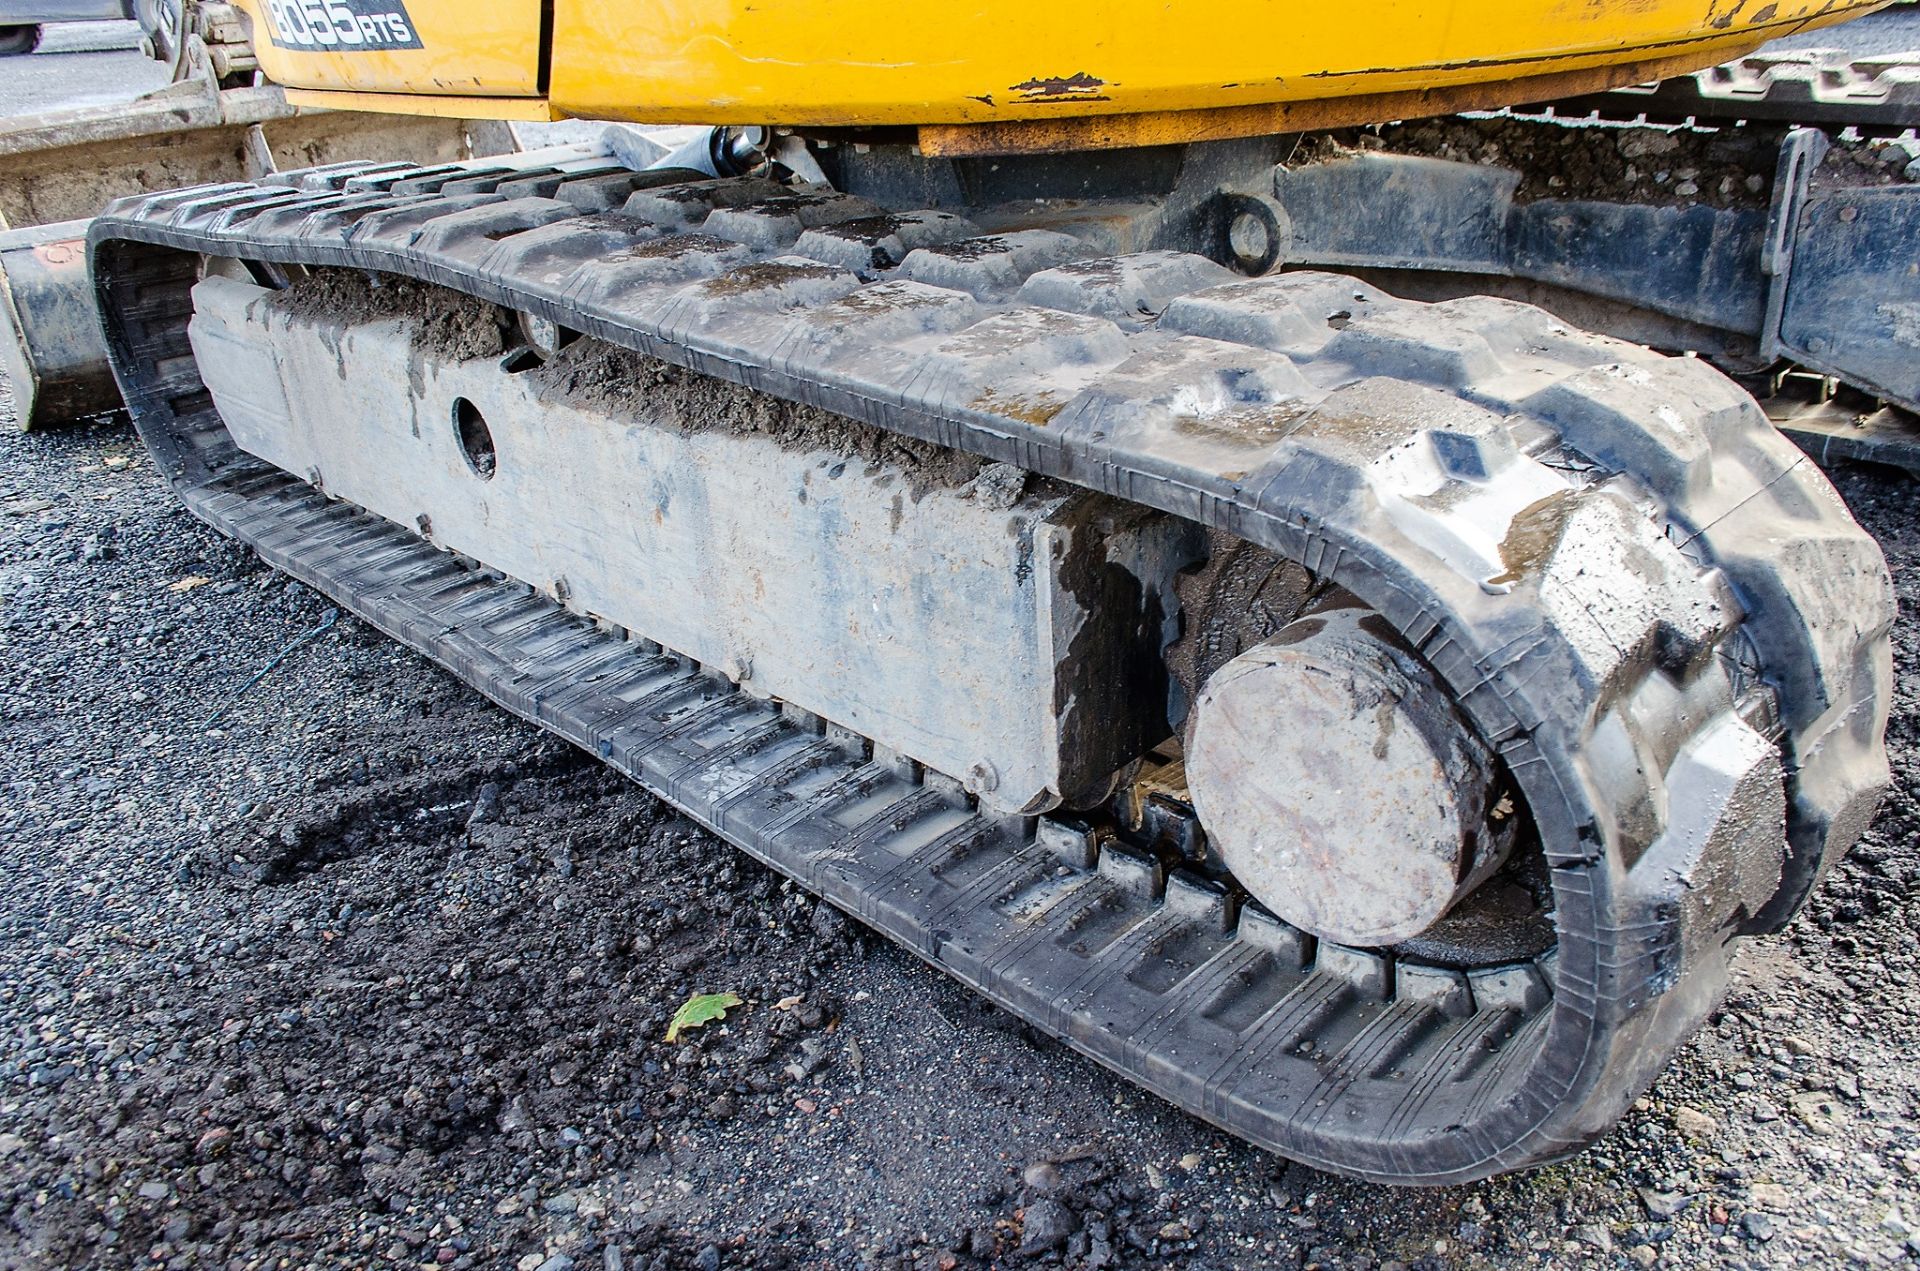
(1341,786)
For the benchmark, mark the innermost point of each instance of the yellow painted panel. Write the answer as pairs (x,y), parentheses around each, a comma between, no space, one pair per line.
(486,48)
(886,62)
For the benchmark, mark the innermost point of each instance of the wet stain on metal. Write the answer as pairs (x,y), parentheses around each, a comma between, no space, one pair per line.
(1534,534)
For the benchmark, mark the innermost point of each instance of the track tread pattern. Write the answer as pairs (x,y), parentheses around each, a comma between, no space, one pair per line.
(1797,86)
(1457,465)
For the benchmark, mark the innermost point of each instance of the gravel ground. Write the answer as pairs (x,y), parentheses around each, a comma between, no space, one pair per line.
(346,967)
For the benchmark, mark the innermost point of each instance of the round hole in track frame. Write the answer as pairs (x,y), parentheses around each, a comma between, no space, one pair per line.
(476,440)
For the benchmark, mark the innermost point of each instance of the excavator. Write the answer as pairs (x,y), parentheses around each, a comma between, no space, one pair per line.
(1300,605)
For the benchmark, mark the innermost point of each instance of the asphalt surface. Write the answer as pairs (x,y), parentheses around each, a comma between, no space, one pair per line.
(311,957)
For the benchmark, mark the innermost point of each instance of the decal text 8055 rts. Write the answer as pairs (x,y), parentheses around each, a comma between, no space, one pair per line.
(340,26)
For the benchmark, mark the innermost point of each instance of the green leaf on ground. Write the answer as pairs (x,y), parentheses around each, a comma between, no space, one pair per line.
(701,1008)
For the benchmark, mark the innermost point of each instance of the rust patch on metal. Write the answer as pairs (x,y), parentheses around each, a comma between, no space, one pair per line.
(1078,86)
(1160,777)
(1722,21)
(1219,123)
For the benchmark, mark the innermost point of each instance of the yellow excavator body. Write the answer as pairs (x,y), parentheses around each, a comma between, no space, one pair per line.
(875,62)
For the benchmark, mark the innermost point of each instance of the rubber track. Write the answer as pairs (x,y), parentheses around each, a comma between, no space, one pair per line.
(1825,87)
(1616,641)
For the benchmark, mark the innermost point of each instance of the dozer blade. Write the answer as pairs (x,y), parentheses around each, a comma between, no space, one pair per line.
(58,169)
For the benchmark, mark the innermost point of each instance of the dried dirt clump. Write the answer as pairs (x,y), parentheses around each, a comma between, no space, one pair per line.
(594,375)
(450,326)
(1556,160)
(1871,161)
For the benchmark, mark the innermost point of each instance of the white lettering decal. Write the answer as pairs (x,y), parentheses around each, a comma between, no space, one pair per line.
(342,25)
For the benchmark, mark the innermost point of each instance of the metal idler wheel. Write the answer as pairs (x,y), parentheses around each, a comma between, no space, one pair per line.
(1339,784)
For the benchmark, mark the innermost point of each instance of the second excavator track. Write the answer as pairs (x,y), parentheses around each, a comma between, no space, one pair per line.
(1879,95)
(1678,645)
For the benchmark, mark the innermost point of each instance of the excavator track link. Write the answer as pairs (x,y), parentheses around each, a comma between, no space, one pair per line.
(1682,560)
(1799,87)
